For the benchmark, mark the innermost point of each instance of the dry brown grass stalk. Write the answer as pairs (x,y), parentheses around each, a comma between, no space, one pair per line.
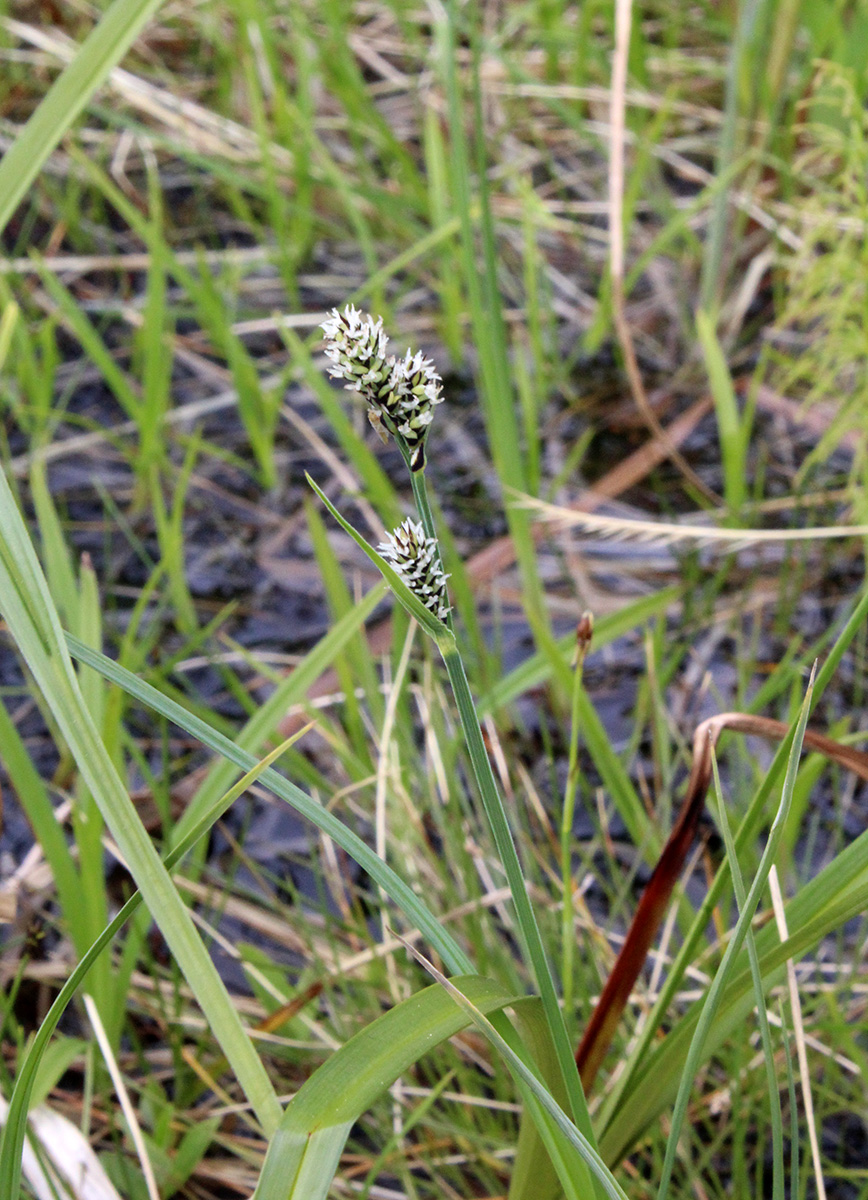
(655,898)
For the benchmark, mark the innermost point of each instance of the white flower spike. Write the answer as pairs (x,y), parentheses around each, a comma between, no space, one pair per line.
(400,392)
(416,559)
(356,344)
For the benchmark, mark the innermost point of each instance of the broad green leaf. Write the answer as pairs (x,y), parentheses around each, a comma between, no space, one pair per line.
(304,1153)
(533,1175)
(567,1145)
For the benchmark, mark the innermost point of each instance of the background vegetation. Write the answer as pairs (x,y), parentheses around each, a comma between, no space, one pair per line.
(175,228)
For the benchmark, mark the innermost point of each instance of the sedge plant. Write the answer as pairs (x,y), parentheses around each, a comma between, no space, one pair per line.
(402,395)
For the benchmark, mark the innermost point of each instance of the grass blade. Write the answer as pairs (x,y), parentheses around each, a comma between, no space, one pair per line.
(19,1105)
(759,992)
(547,1112)
(268,716)
(104,47)
(734,432)
(32,622)
(409,903)
(303,1155)
(609,1119)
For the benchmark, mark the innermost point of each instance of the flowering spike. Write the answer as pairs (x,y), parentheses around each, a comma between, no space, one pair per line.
(356,344)
(400,392)
(416,559)
(415,387)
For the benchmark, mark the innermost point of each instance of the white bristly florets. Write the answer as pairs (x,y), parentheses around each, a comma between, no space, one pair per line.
(356,344)
(400,392)
(416,559)
(415,387)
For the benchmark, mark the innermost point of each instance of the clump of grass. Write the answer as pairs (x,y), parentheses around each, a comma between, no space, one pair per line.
(565,1136)
(819,342)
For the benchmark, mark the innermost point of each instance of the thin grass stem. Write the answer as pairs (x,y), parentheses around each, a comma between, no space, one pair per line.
(530,934)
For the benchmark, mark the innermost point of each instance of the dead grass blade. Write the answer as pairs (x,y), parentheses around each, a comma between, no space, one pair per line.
(668,532)
(655,898)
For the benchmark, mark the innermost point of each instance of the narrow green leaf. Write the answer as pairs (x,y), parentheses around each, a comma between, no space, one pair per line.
(83,329)
(536,670)
(716,991)
(292,690)
(32,622)
(28,1074)
(413,908)
(654,1076)
(847,864)
(835,896)
(7,329)
(645,837)
(534,1176)
(56,1061)
(58,561)
(104,47)
(36,803)
(758,991)
(733,432)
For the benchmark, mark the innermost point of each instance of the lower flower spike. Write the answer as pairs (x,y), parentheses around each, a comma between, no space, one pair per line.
(416,559)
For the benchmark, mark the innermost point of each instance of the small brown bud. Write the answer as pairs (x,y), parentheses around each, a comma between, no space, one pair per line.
(584,634)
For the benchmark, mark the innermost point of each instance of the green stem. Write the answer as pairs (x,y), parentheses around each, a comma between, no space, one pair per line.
(527,923)
(420,495)
(568,933)
(497,819)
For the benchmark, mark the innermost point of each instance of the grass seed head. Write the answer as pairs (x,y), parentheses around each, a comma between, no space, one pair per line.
(416,388)
(356,345)
(417,560)
(400,392)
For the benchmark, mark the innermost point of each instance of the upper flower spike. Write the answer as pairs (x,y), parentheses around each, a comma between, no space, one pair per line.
(356,344)
(400,392)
